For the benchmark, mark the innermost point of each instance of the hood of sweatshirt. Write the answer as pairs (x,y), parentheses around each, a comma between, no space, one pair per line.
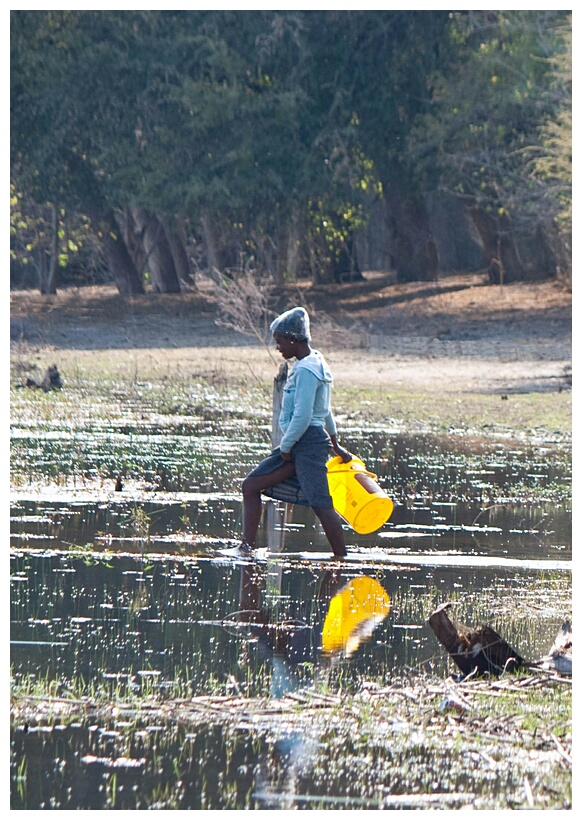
(317,365)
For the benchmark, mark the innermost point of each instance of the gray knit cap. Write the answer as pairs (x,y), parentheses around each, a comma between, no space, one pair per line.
(293,323)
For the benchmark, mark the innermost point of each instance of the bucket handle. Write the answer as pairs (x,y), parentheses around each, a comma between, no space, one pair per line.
(348,469)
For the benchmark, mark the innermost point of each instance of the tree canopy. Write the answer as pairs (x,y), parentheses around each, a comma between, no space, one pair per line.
(219,139)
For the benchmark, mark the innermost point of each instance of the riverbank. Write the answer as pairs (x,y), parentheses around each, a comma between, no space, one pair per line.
(458,353)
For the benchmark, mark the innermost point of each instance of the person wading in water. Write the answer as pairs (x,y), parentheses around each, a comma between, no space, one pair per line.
(296,471)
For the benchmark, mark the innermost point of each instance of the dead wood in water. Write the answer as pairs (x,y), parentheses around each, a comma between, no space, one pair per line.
(559,658)
(277,516)
(50,381)
(278,384)
(476,651)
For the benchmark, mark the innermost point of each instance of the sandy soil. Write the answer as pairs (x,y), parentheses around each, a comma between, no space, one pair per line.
(458,334)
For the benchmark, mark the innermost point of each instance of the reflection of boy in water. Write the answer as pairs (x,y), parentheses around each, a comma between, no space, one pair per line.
(289,644)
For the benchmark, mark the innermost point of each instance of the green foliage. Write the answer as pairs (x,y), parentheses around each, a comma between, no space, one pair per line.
(32,228)
(331,227)
(269,123)
(490,108)
(552,165)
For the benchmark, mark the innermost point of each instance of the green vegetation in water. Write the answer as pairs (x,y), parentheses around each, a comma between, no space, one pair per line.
(414,743)
(372,738)
(162,426)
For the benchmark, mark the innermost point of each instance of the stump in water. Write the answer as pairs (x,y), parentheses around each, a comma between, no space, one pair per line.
(559,658)
(50,381)
(480,650)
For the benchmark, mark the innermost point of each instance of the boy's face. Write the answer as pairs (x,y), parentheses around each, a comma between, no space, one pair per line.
(285,345)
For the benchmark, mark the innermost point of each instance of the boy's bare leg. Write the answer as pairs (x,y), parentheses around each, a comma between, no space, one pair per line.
(252,506)
(332,526)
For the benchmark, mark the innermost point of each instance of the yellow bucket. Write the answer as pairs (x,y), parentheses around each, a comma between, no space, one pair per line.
(356,496)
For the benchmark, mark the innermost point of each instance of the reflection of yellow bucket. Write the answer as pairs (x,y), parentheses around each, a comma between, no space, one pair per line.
(353,614)
(356,496)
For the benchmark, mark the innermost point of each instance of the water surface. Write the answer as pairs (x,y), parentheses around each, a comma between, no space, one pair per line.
(128,590)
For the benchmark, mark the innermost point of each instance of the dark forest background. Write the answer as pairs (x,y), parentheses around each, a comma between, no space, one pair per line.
(148,147)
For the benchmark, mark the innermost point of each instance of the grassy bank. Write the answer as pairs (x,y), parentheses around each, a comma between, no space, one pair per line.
(485,745)
(169,378)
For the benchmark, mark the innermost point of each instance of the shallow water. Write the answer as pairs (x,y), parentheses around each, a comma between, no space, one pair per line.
(129,590)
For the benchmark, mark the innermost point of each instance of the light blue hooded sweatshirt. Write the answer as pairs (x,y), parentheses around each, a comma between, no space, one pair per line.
(306,400)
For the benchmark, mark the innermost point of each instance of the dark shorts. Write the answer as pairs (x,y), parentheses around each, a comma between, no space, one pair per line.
(308,485)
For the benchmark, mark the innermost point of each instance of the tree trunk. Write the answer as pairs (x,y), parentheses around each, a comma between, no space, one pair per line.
(268,257)
(560,244)
(317,275)
(224,249)
(54,258)
(292,250)
(412,246)
(372,242)
(536,254)
(42,270)
(498,247)
(49,259)
(210,244)
(454,233)
(132,238)
(159,261)
(121,265)
(175,236)
(345,267)
(103,219)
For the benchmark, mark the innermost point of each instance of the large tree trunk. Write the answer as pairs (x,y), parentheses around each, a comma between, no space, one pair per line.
(49,258)
(51,279)
(278,252)
(132,238)
(223,249)
(414,256)
(458,245)
(176,241)
(498,247)
(47,273)
(514,256)
(209,244)
(42,268)
(292,249)
(373,242)
(560,244)
(333,265)
(268,255)
(121,264)
(221,254)
(345,267)
(103,219)
(159,261)
(536,253)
